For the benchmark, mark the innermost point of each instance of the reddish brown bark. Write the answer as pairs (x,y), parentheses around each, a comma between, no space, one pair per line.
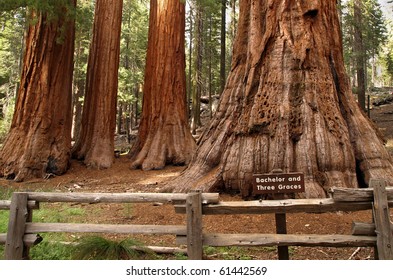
(164,136)
(39,140)
(287,105)
(96,142)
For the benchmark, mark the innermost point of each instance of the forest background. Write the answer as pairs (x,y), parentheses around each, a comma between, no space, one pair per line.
(210,31)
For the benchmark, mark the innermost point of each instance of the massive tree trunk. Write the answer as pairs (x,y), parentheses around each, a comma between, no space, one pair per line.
(39,140)
(287,105)
(96,142)
(164,136)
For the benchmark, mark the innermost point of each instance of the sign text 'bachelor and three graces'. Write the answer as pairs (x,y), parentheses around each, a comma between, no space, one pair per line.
(278,183)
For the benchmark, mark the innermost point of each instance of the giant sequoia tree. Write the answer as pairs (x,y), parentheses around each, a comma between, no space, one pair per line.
(39,140)
(95,144)
(164,135)
(287,104)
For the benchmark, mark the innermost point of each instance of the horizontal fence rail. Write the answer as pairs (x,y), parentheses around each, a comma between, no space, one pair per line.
(175,198)
(6,205)
(221,240)
(341,200)
(23,233)
(28,239)
(280,206)
(104,228)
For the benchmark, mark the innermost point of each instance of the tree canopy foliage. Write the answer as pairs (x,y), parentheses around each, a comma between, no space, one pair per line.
(374,35)
(49,6)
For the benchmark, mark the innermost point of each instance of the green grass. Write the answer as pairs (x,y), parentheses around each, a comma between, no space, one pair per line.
(3,221)
(239,253)
(128,210)
(181,256)
(5,193)
(228,253)
(51,250)
(63,214)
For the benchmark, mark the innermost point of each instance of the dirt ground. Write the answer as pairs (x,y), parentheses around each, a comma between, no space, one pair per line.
(120,179)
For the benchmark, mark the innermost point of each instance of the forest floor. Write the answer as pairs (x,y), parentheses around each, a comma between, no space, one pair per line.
(121,179)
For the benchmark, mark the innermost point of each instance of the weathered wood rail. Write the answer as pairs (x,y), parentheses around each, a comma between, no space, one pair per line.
(23,233)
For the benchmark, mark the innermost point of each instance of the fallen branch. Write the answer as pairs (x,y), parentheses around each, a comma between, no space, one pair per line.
(355,253)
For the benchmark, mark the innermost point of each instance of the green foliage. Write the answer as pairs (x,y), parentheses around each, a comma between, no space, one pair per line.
(9,5)
(5,121)
(52,8)
(211,41)
(210,13)
(99,248)
(374,33)
(83,30)
(133,48)
(387,57)
(388,64)
(12,27)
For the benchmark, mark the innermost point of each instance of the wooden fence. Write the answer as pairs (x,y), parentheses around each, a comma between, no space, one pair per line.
(23,233)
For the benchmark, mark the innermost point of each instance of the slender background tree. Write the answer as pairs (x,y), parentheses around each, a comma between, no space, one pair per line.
(84,23)
(12,25)
(132,64)
(364,34)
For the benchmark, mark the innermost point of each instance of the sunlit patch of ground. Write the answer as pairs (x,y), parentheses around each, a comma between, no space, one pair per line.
(389,146)
(159,178)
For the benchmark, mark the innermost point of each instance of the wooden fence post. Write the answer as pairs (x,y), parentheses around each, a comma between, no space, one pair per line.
(382,220)
(14,247)
(194,226)
(281,224)
(29,219)
(281,228)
